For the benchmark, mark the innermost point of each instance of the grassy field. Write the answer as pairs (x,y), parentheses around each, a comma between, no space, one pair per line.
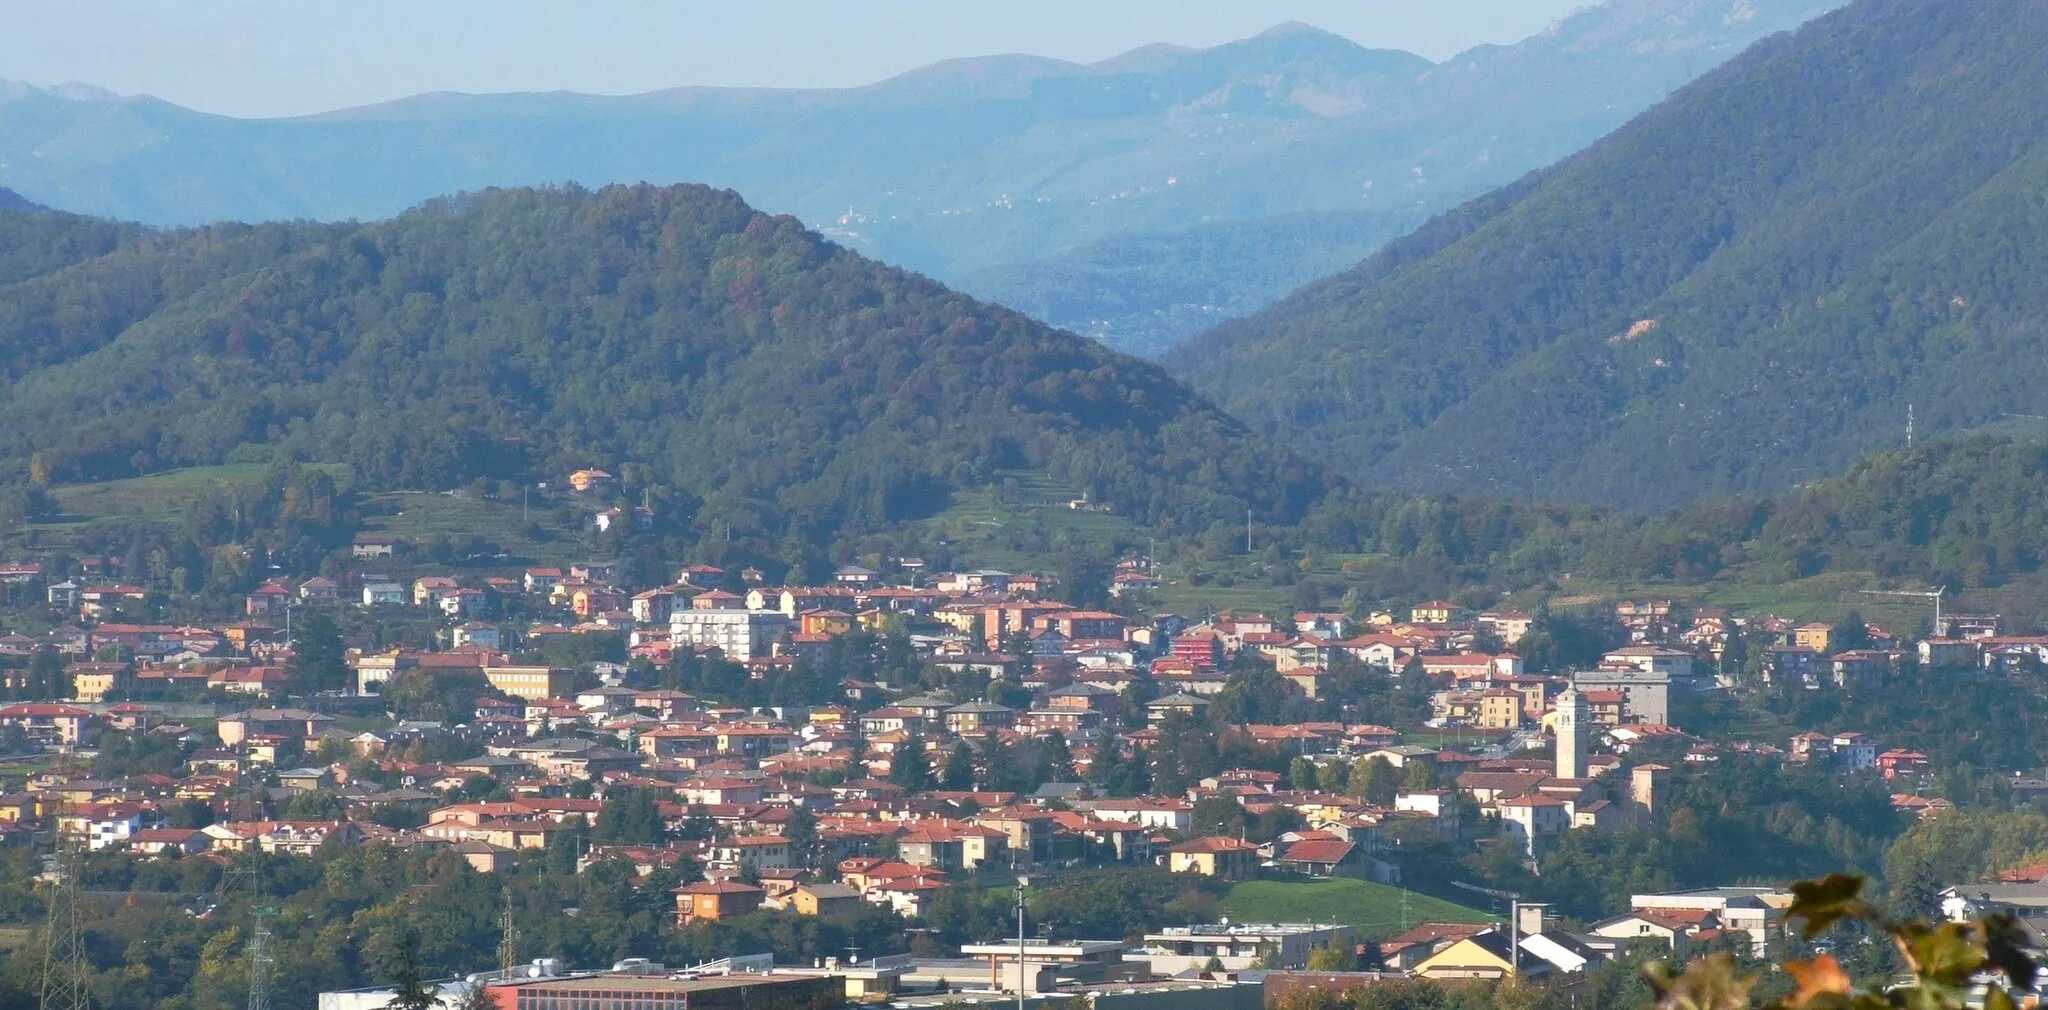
(1022,518)
(1825,597)
(1375,909)
(420,517)
(158,497)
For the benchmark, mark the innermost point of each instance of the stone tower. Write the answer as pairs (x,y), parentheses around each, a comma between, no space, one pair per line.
(1574,721)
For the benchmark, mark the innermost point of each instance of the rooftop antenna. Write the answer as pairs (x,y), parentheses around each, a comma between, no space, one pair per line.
(64,967)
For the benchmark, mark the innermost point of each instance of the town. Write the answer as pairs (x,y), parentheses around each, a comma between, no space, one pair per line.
(901,748)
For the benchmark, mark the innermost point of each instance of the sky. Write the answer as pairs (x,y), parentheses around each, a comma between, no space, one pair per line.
(293,57)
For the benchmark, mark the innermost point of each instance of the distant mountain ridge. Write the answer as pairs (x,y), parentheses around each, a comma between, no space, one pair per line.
(955,169)
(1744,289)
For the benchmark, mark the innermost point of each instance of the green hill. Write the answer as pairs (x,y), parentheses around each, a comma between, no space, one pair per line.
(1745,288)
(756,373)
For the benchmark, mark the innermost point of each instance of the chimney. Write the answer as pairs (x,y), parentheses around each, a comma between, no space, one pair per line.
(1529,917)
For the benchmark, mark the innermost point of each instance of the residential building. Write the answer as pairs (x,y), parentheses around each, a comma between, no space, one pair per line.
(713,900)
(533,683)
(1214,856)
(740,634)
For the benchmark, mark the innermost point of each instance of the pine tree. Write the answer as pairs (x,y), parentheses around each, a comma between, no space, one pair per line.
(908,766)
(319,662)
(409,989)
(958,774)
(475,997)
(1055,760)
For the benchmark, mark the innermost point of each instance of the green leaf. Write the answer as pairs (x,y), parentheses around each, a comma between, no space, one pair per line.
(1710,983)
(1947,954)
(1820,904)
(2005,949)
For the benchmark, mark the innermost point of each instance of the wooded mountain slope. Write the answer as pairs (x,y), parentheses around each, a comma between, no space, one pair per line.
(952,168)
(1743,289)
(770,378)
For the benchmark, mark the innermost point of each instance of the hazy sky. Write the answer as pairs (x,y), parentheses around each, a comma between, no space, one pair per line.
(286,57)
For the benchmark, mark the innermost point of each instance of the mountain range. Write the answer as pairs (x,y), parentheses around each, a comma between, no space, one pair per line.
(1749,286)
(1099,197)
(763,376)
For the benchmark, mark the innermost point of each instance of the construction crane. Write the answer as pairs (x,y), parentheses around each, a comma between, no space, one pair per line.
(1929,594)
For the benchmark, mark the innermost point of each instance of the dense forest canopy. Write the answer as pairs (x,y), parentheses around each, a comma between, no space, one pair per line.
(768,377)
(1743,289)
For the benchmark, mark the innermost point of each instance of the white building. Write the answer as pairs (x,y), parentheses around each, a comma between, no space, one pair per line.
(740,634)
(1753,910)
(1675,664)
(1238,945)
(1534,821)
(383,594)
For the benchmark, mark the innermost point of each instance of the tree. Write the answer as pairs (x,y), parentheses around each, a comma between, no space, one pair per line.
(1301,774)
(958,774)
(315,805)
(909,767)
(319,662)
(475,996)
(631,817)
(1418,776)
(801,828)
(1851,633)
(1216,815)
(1055,761)
(408,986)
(46,679)
(1333,956)
(1334,777)
(1374,780)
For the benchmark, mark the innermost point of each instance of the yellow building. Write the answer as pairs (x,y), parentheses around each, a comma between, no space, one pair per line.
(533,683)
(1500,708)
(1215,856)
(91,683)
(1484,956)
(1812,636)
(1435,612)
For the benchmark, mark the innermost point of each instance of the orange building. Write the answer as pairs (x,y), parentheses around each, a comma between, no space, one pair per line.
(715,900)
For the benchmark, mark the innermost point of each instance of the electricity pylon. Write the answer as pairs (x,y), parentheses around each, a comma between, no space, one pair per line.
(64,966)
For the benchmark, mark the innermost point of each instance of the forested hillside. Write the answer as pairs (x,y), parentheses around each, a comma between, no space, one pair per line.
(992,162)
(1743,289)
(761,375)
(1967,513)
